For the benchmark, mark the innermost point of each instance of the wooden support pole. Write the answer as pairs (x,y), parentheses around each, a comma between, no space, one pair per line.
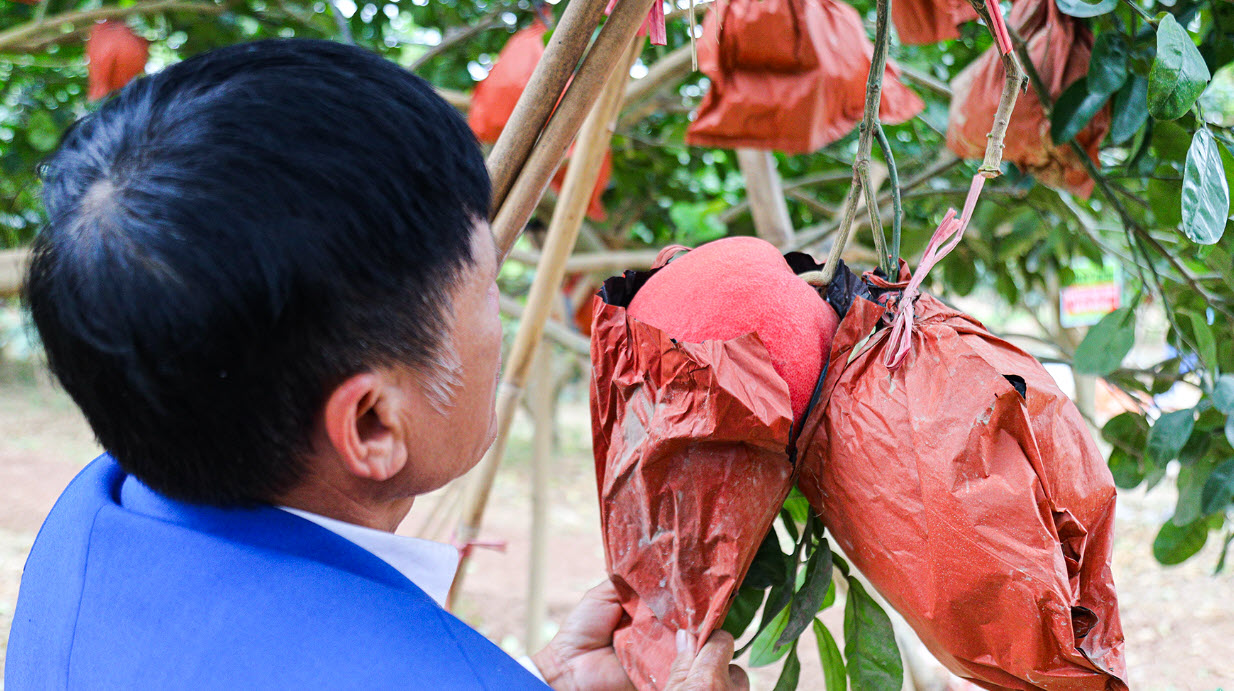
(546,286)
(767,204)
(601,61)
(12,269)
(540,404)
(594,262)
(534,106)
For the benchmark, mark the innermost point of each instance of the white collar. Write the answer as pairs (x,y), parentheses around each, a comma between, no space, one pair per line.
(429,565)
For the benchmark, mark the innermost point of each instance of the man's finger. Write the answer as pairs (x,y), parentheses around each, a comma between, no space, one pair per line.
(716,653)
(739,679)
(604,591)
(685,659)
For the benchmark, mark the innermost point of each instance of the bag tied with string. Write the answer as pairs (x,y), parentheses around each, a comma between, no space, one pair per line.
(1060,47)
(920,22)
(959,479)
(788,75)
(691,443)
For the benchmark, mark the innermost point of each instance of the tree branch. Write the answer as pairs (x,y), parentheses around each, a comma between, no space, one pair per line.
(18,38)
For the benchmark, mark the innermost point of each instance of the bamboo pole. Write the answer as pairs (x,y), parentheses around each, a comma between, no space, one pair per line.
(540,405)
(593,262)
(767,204)
(552,73)
(549,150)
(560,333)
(545,287)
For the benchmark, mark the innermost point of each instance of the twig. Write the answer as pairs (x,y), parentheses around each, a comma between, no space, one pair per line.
(897,204)
(13,39)
(1140,11)
(488,21)
(344,29)
(922,79)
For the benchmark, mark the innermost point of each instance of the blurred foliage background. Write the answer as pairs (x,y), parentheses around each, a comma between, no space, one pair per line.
(1156,212)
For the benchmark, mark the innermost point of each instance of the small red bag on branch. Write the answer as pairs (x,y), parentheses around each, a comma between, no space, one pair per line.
(920,22)
(691,439)
(788,75)
(495,96)
(953,472)
(116,55)
(1060,47)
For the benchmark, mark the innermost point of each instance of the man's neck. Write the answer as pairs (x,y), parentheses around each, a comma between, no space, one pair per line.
(325,500)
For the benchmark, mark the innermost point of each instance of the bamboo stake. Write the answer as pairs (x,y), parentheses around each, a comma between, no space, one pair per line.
(540,404)
(545,287)
(593,262)
(12,266)
(583,93)
(767,204)
(534,106)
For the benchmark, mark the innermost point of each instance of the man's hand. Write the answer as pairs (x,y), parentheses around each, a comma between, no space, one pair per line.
(581,656)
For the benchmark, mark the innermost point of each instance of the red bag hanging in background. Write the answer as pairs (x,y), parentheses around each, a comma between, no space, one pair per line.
(1060,47)
(495,96)
(691,445)
(116,55)
(967,488)
(788,75)
(920,22)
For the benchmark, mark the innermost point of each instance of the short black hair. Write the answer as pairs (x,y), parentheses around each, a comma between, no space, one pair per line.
(231,238)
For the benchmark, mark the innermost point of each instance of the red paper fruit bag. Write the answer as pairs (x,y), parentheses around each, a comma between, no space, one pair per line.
(920,22)
(495,96)
(692,465)
(1060,47)
(116,56)
(967,488)
(788,75)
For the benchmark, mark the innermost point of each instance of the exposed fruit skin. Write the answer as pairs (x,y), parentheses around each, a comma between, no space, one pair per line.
(735,286)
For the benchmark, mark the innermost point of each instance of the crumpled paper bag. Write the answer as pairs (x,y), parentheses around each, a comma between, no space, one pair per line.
(967,488)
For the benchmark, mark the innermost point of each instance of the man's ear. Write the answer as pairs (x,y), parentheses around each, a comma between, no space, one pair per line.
(364,427)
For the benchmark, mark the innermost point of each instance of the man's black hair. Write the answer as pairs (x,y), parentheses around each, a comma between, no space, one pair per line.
(231,238)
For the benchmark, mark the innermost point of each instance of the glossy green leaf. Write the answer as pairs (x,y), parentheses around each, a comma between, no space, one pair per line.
(1169,434)
(1175,544)
(770,564)
(1191,483)
(1219,489)
(764,649)
(833,664)
(1107,343)
(1204,339)
(1073,110)
(1206,194)
(808,600)
(1130,110)
(1223,394)
(1128,470)
(741,612)
(790,674)
(1086,8)
(1178,75)
(1107,69)
(873,658)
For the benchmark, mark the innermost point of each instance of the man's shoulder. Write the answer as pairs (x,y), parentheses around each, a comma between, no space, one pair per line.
(203,598)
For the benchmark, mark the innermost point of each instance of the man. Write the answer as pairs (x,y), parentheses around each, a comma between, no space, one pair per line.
(267,282)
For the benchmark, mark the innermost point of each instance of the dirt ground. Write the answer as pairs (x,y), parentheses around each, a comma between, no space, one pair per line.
(1179,621)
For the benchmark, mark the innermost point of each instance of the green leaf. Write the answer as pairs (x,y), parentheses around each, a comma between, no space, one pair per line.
(1128,470)
(1178,75)
(1073,110)
(770,564)
(1229,430)
(1204,339)
(791,674)
(1225,550)
(829,653)
(1191,483)
(1219,489)
(741,612)
(41,131)
(1107,69)
(1130,110)
(1223,394)
(1175,544)
(1086,8)
(870,643)
(1169,434)
(809,599)
(1206,195)
(1107,343)
(764,650)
